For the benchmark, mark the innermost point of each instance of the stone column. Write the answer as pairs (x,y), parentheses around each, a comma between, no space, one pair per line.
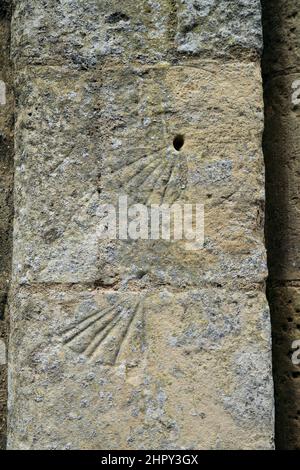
(6,180)
(282,155)
(138,344)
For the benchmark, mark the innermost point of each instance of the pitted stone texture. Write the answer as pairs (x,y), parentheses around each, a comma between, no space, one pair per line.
(218,27)
(84,140)
(151,370)
(82,33)
(282,155)
(285,304)
(282,36)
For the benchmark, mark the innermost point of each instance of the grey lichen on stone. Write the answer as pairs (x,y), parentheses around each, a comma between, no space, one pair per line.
(83,34)
(179,376)
(251,397)
(218,27)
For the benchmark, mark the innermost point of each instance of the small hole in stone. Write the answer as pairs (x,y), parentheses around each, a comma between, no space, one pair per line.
(178,142)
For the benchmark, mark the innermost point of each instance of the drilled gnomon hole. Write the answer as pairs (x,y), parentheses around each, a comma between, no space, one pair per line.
(178,142)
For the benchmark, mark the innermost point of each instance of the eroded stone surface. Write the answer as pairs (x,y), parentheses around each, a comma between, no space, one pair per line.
(138,345)
(285,304)
(85,141)
(282,153)
(177,368)
(218,27)
(83,34)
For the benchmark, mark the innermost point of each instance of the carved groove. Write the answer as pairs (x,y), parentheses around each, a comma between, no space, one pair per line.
(154,175)
(102,335)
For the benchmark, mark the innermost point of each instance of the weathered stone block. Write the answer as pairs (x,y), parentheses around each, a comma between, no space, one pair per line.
(83,34)
(219,27)
(282,154)
(138,344)
(2,353)
(158,370)
(285,305)
(83,141)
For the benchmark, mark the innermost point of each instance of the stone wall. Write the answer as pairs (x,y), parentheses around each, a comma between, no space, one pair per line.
(281,65)
(6,179)
(122,344)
